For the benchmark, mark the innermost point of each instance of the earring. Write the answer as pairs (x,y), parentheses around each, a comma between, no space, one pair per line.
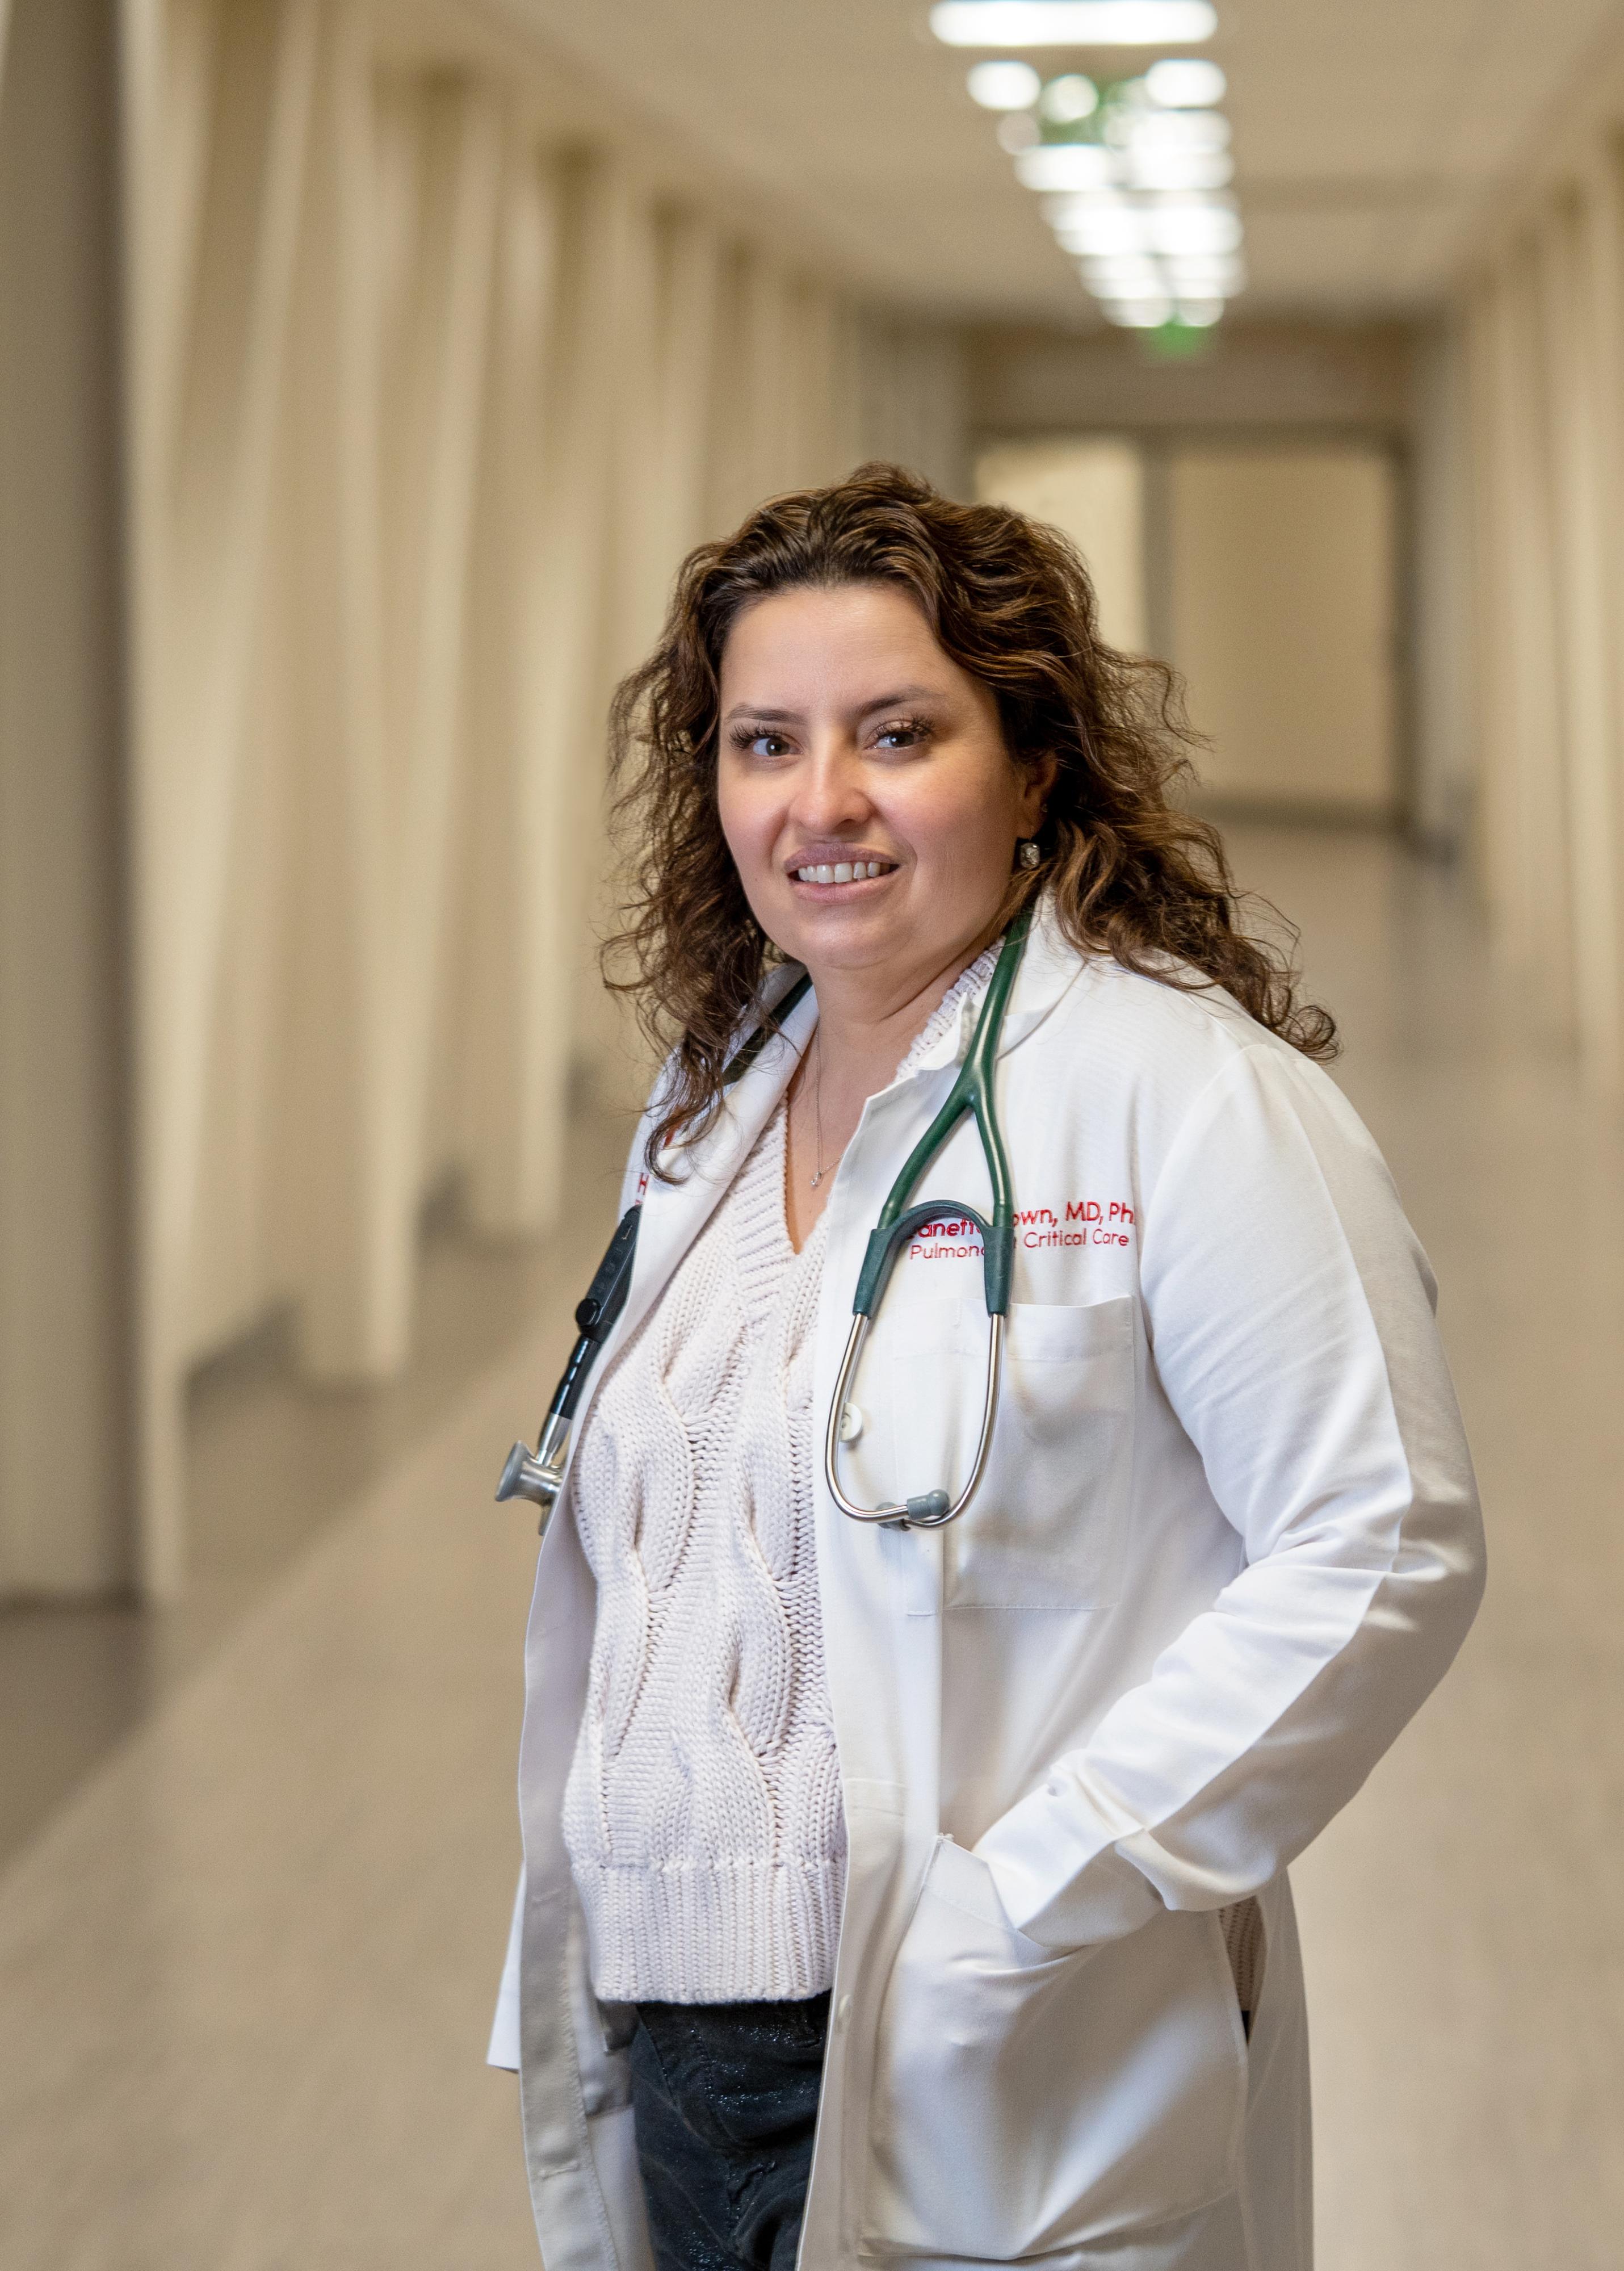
(1031,857)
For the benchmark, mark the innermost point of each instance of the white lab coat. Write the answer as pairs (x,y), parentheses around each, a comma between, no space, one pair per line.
(1227,1542)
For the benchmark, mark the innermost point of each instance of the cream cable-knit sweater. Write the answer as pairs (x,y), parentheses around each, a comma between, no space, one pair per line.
(703,1811)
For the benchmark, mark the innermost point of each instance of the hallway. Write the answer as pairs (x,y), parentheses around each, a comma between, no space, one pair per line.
(1466,1988)
(203,2076)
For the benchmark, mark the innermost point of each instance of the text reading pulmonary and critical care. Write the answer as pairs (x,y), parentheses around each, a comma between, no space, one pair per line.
(1082,1221)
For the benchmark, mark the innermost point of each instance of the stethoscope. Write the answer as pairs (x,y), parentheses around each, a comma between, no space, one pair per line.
(538,1475)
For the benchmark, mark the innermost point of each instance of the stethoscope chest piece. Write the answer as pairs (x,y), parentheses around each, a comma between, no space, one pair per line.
(538,1475)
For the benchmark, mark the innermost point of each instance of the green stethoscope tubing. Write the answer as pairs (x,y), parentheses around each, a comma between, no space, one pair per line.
(538,1475)
(971,1092)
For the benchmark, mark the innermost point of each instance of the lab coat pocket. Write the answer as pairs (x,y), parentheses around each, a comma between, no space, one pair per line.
(1047,1525)
(1027,2101)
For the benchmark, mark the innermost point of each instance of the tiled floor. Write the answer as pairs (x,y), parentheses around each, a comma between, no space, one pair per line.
(262,1858)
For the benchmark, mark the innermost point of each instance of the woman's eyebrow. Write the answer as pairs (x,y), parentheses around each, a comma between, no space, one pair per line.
(771,716)
(899,693)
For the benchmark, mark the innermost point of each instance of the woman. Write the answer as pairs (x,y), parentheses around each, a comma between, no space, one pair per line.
(948,1864)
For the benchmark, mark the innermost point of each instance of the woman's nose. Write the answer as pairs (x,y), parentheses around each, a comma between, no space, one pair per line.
(831,790)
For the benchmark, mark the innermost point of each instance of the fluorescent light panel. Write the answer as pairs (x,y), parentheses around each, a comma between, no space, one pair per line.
(1153,244)
(1005,86)
(1208,278)
(1187,131)
(1112,234)
(1179,169)
(1139,314)
(1073,23)
(1069,99)
(1182,228)
(1067,166)
(1074,211)
(1176,84)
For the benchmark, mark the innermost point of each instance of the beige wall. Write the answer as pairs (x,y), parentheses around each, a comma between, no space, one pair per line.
(1282,564)
(1257,374)
(64,1260)
(435,362)
(1092,489)
(1445,719)
(1545,357)
(912,400)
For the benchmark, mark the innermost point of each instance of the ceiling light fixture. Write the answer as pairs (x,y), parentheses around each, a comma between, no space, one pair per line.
(1177,85)
(1067,166)
(1179,169)
(1131,170)
(1182,227)
(1073,23)
(1217,279)
(1065,101)
(1140,315)
(1067,212)
(1179,130)
(1113,279)
(1003,85)
(1114,233)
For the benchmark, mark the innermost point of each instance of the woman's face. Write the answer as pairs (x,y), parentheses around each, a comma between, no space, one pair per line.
(865,789)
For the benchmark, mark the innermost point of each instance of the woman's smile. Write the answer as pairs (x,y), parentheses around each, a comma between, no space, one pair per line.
(834,873)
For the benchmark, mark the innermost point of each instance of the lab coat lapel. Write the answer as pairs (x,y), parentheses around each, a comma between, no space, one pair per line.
(674,1214)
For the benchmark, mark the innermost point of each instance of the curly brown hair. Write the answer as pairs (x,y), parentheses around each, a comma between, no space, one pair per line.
(1131,875)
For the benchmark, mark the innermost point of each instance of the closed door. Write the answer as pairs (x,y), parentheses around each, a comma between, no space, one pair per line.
(1281,611)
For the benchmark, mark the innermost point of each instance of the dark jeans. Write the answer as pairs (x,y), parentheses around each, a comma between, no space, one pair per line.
(725,2097)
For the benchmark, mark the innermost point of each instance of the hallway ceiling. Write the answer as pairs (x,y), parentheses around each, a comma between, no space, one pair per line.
(1366,137)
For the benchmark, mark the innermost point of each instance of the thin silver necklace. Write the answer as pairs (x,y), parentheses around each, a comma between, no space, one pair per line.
(817,1105)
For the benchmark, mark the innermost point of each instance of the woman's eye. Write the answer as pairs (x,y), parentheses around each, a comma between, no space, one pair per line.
(906,735)
(765,745)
